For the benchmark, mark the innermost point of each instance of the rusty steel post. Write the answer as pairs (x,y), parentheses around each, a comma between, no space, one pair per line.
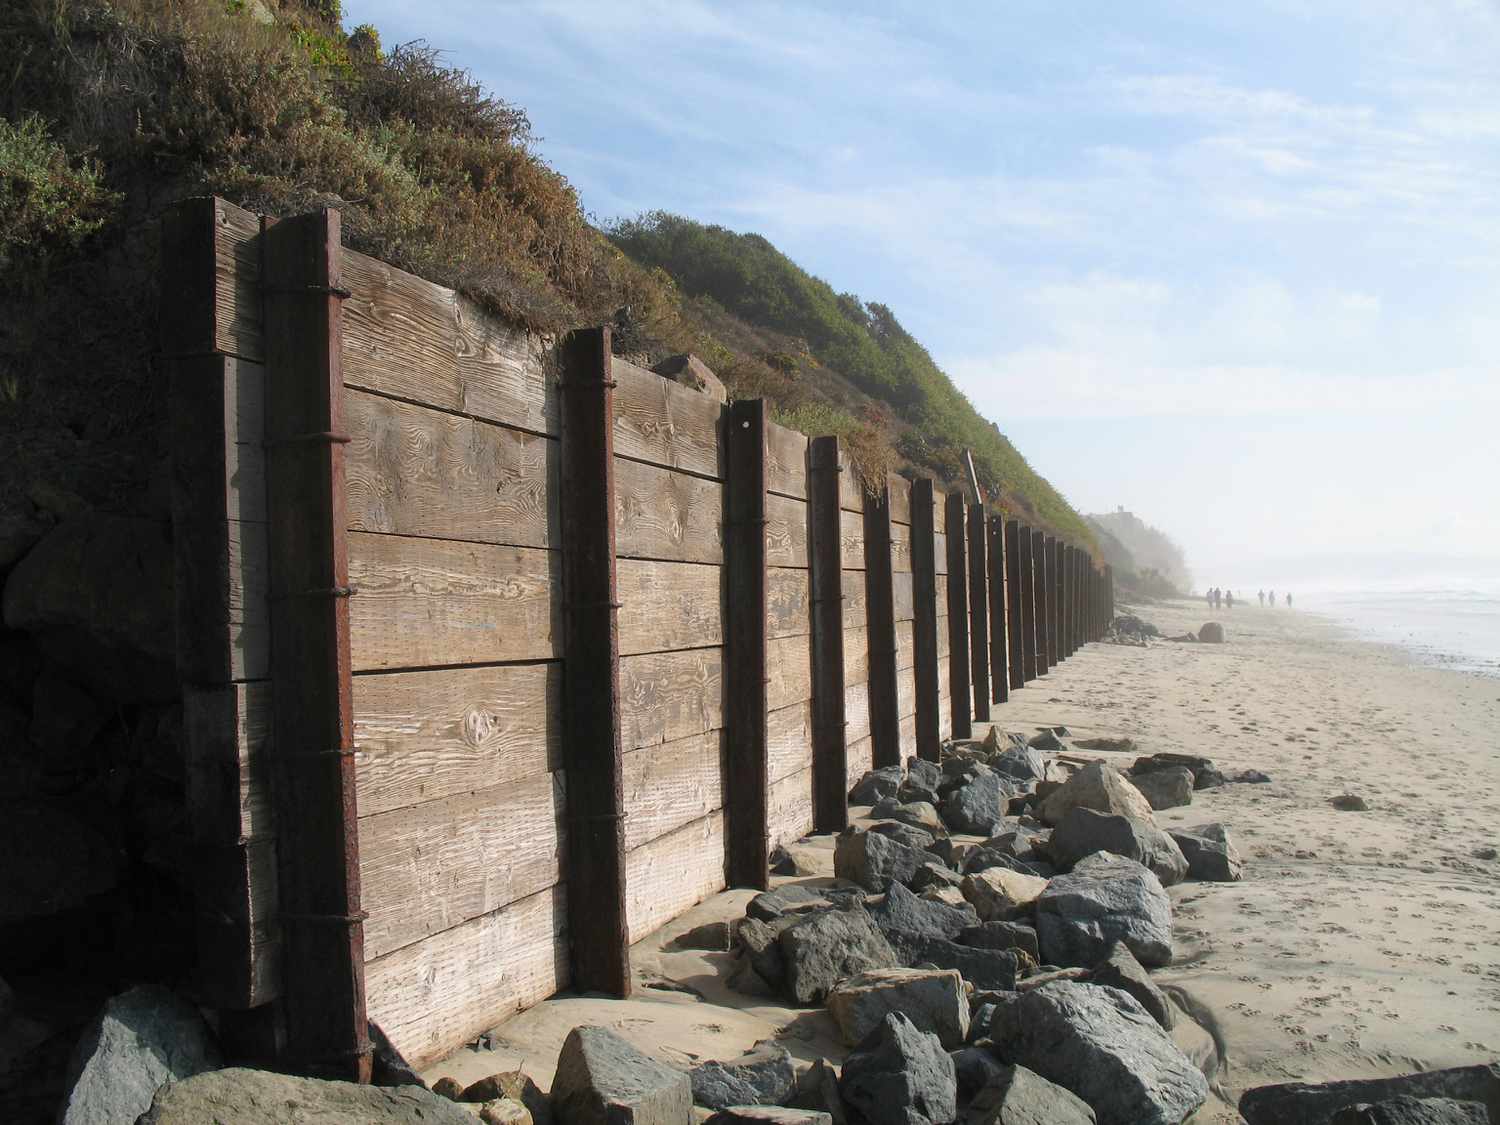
(825,557)
(1015,622)
(999,641)
(979,613)
(924,619)
(958,616)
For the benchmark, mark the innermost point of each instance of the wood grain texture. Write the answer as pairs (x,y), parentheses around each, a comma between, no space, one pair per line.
(905,645)
(662,514)
(216,416)
(432,997)
(671,785)
(237,317)
(856,655)
(855,604)
(907,734)
(786,531)
(227,774)
(788,602)
(851,540)
(851,488)
(900,548)
(906,694)
(425,602)
(665,423)
(788,740)
(239,942)
(786,461)
(665,696)
(942,638)
(423,736)
(861,758)
(940,551)
(857,712)
(789,814)
(788,671)
(411,339)
(433,866)
(222,593)
(672,873)
(414,471)
(903,597)
(900,501)
(668,605)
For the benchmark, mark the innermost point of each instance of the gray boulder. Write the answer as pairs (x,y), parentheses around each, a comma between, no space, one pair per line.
(1084,832)
(902,833)
(1105,899)
(818,1090)
(975,1069)
(874,860)
(918,814)
(602,1080)
(906,920)
(1406,1110)
(1023,763)
(1002,935)
(978,806)
(933,874)
(1300,1103)
(1099,787)
(933,999)
(768,1115)
(50,862)
(1210,853)
(1213,633)
(924,774)
(983,968)
(97,595)
(901,1075)
(876,786)
(1166,789)
(822,949)
(790,899)
(760,944)
(1018,1096)
(1100,1044)
(1047,742)
(1121,970)
(1205,774)
(690,371)
(763,1076)
(142,1040)
(262,1097)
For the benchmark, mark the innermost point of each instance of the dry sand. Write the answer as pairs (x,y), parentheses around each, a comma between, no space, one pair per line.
(1358,943)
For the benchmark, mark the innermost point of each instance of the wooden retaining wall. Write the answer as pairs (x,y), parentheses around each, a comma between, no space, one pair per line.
(529,577)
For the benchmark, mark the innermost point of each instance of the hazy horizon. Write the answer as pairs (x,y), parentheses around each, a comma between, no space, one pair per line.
(1231,267)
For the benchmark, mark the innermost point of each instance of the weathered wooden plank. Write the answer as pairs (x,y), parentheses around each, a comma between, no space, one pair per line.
(900,548)
(903,603)
(851,487)
(900,502)
(857,713)
(433,866)
(861,759)
(789,674)
(856,656)
(411,339)
(666,423)
(425,602)
(786,461)
(788,740)
(237,312)
(671,785)
(907,733)
(662,514)
(666,696)
(222,590)
(943,648)
(238,939)
(790,807)
(228,786)
(432,997)
(940,550)
(786,531)
(422,736)
(788,602)
(906,694)
(672,873)
(906,650)
(217,421)
(851,540)
(415,471)
(669,605)
(855,604)
(595,852)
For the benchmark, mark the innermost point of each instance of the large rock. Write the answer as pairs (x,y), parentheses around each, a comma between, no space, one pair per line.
(906,920)
(1299,1103)
(1406,1110)
(924,774)
(760,943)
(901,1075)
(142,1040)
(764,1076)
(933,999)
(1213,633)
(978,806)
(1002,935)
(1166,789)
(874,860)
(983,968)
(1105,899)
(1023,763)
(602,1080)
(1210,853)
(690,371)
(1121,970)
(768,1115)
(818,1090)
(1099,787)
(1100,1044)
(999,894)
(1018,1096)
(876,786)
(261,1097)
(1205,774)
(822,949)
(1084,832)
(918,814)
(97,594)
(49,863)
(513,1086)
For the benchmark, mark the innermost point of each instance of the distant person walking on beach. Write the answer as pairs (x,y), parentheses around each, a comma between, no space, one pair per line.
(1209,597)
(1229,599)
(1261,594)
(1273,599)
(1289,601)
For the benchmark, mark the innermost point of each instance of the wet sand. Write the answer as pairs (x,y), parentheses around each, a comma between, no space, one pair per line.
(1357,944)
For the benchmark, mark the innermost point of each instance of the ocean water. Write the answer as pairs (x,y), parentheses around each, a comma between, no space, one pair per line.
(1454,626)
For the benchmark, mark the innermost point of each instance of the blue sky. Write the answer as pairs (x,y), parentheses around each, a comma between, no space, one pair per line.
(1234,267)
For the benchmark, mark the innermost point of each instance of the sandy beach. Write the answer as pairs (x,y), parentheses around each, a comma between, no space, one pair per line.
(1358,943)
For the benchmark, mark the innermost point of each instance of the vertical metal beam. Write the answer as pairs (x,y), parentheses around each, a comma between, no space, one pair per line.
(979,612)
(312,724)
(1016,665)
(830,751)
(591,682)
(958,616)
(1064,602)
(999,641)
(1026,572)
(880,617)
(924,619)
(747,774)
(1039,583)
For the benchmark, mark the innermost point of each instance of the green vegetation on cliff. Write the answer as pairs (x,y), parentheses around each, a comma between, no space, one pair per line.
(113,109)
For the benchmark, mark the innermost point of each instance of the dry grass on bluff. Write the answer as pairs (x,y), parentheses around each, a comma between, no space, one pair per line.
(113,109)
